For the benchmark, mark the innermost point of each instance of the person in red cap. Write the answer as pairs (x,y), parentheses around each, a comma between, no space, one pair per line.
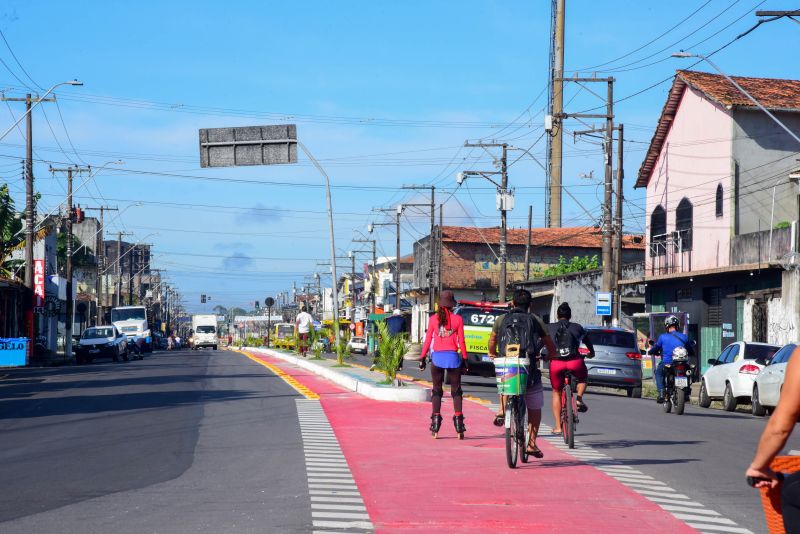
(445,339)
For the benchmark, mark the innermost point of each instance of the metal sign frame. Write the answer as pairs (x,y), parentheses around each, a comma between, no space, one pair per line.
(248,145)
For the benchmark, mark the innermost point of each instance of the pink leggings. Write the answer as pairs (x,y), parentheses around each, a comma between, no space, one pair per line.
(559,368)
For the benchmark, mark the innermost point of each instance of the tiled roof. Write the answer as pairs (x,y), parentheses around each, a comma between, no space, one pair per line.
(772,93)
(578,237)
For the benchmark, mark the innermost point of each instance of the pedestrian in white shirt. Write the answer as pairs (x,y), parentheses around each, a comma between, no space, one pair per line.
(304,323)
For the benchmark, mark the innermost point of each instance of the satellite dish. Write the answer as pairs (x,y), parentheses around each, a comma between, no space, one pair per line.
(790,260)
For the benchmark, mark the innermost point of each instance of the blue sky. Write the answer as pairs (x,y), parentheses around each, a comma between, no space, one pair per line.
(383,93)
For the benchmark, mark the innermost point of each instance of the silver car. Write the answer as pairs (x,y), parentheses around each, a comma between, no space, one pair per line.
(617,362)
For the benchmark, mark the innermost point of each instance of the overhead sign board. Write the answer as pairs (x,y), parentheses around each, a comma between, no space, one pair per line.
(602,303)
(248,145)
(38,286)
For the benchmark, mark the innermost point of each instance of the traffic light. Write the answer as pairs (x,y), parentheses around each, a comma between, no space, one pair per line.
(202,299)
(258,305)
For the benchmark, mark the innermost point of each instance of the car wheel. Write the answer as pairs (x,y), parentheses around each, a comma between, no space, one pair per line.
(635,393)
(757,409)
(728,400)
(704,399)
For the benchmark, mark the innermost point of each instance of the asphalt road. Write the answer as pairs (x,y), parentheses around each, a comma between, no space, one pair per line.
(179,442)
(702,454)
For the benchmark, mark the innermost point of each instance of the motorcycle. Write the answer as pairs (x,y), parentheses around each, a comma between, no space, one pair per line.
(678,381)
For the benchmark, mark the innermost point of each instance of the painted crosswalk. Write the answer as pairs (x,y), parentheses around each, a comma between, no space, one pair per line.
(681,506)
(336,503)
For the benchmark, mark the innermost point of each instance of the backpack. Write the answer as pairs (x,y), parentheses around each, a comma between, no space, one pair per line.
(516,337)
(566,342)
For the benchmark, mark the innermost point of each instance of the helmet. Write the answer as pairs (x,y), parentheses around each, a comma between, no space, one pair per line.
(671,321)
(680,353)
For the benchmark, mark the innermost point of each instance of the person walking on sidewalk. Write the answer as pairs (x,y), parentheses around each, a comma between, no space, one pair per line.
(568,337)
(527,330)
(445,339)
(304,323)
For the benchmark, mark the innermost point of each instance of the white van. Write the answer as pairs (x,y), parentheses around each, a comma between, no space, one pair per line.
(204,328)
(132,321)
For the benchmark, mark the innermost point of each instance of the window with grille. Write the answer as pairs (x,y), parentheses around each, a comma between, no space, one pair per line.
(719,201)
(658,231)
(683,224)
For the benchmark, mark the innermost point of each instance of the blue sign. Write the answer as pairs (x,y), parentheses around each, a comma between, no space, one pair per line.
(602,303)
(13,352)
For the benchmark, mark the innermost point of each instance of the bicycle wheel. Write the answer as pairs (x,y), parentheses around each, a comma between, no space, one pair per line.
(568,414)
(512,443)
(522,425)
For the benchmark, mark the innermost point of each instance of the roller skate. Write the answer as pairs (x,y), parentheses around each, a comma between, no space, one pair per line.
(436,423)
(458,423)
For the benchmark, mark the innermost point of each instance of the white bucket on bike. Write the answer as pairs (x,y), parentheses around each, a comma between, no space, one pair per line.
(512,375)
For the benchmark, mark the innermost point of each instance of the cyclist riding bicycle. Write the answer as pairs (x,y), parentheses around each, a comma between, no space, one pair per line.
(531,328)
(568,337)
(665,344)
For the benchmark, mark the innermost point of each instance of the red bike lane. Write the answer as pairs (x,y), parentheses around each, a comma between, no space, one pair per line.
(411,482)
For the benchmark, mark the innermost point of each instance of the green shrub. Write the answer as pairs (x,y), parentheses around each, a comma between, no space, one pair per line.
(392,348)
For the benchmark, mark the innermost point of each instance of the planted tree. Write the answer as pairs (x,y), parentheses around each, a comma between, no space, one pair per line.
(392,348)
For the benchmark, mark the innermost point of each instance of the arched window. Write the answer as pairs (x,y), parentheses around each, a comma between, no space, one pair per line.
(683,223)
(658,231)
(719,200)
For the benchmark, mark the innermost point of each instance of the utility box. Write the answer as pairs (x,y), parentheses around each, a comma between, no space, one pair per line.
(504,201)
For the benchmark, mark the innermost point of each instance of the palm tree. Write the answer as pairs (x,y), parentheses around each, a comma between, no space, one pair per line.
(10,236)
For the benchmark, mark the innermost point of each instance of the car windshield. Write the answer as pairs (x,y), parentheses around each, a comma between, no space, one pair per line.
(358,340)
(760,352)
(480,316)
(285,330)
(206,329)
(612,338)
(94,333)
(127,314)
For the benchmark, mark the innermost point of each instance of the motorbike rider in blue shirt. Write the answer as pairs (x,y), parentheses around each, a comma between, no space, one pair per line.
(665,344)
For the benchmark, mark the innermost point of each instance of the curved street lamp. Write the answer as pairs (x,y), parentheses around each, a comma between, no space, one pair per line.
(38,101)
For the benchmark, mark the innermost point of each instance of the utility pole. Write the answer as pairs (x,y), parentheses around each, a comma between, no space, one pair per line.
(352,284)
(131,261)
(556,94)
(29,204)
(608,196)
(118,268)
(616,309)
(440,261)
(70,215)
(431,260)
(528,245)
(504,204)
(99,255)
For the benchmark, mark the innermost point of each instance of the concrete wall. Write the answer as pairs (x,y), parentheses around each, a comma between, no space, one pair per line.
(756,247)
(784,319)
(696,157)
(765,155)
(86,232)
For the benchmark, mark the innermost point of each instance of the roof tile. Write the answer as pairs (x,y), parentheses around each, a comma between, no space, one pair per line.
(577,237)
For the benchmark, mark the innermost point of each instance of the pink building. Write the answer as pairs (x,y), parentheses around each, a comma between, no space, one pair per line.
(720,206)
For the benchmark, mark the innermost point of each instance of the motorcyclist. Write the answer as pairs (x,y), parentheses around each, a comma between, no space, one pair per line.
(665,344)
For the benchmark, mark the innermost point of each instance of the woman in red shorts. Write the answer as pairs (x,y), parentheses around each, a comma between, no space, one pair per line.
(567,337)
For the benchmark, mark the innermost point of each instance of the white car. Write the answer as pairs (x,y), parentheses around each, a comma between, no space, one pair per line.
(732,373)
(767,388)
(357,344)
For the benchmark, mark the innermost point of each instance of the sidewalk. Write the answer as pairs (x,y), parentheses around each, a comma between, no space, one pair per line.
(412,483)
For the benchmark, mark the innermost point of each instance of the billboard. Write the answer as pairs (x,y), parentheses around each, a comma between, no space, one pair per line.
(38,286)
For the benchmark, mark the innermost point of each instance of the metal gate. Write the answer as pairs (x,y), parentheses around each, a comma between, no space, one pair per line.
(760,321)
(710,345)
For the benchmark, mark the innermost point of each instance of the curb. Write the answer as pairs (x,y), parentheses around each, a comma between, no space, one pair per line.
(409,393)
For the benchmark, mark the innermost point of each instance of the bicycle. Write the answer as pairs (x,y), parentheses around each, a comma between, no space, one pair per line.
(569,409)
(512,380)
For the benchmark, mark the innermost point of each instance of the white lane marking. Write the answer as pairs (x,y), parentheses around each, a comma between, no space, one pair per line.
(682,509)
(658,500)
(333,494)
(659,493)
(315,498)
(339,515)
(632,477)
(715,520)
(341,507)
(366,525)
(719,528)
(655,484)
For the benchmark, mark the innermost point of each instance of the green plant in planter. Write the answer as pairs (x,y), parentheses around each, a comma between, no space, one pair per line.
(392,348)
(315,337)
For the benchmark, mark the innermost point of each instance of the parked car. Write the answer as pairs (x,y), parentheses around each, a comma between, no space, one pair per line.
(732,373)
(358,344)
(769,382)
(617,361)
(102,342)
